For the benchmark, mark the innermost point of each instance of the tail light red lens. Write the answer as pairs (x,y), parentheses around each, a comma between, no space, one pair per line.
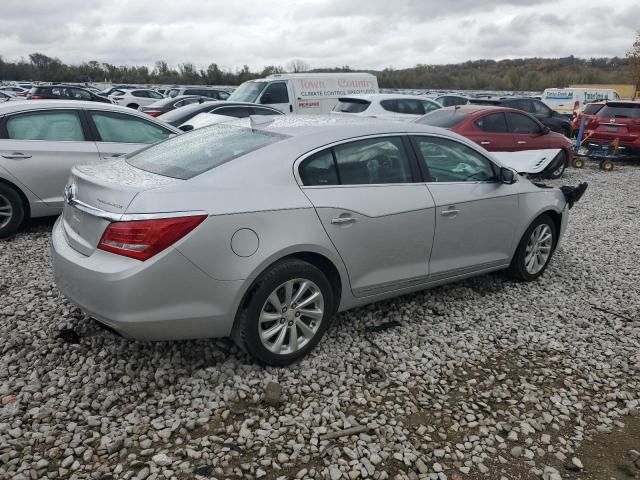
(142,239)
(35,97)
(153,113)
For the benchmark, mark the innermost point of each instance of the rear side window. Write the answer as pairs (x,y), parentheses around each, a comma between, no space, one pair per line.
(363,162)
(405,106)
(443,118)
(319,170)
(630,111)
(494,123)
(196,152)
(351,106)
(120,128)
(53,126)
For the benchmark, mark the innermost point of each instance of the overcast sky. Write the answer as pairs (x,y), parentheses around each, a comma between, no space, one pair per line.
(358,33)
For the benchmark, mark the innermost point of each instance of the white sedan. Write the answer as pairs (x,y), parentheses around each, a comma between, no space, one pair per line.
(136,98)
(386,105)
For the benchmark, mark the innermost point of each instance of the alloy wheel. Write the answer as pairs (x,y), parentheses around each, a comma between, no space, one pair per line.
(291,316)
(6,211)
(538,249)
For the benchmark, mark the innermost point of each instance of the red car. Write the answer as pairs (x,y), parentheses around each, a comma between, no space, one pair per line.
(589,112)
(616,121)
(501,129)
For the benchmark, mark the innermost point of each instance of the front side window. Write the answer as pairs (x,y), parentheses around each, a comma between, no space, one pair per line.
(450,161)
(200,150)
(430,106)
(121,128)
(275,93)
(522,124)
(62,126)
(140,94)
(493,123)
(153,94)
(541,109)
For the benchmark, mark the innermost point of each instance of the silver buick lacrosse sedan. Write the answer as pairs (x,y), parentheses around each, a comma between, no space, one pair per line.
(264,228)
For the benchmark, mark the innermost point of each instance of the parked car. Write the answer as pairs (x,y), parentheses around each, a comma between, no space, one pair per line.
(18,91)
(108,91)
(615,121)
(213,93)
(41,141)
(451,100)
(386,105)
(167,104)
(501,129)
(138,97)
(7,96)
(274,228)
(590,111)
(307,93)
(180,116)
(64,92)
(554,120)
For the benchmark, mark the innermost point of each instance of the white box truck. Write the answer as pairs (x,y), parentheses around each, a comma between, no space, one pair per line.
(307,93)
(569,100)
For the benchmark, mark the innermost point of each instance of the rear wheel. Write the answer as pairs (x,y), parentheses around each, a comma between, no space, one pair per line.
(11,210)
(535,249)
(578,163)
(558,165)
(606,165)
(287,314)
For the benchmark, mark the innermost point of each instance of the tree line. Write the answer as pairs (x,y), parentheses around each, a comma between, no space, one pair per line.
(526,74)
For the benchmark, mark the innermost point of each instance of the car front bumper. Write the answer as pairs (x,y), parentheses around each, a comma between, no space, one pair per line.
(165,298)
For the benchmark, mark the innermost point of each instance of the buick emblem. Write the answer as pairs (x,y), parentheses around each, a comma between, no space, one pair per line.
(613,120)
(69,193)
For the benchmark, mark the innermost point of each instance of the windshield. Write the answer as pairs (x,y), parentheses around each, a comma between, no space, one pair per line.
(443,118)
(626,111)
(247,92)
(194,153)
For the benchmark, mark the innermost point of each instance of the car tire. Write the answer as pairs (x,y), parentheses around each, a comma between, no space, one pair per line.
(271,315)
(523,265)
(133,105)
(557,166)
(11,210)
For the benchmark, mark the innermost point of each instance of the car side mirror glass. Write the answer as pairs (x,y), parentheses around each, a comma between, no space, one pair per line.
(508,176)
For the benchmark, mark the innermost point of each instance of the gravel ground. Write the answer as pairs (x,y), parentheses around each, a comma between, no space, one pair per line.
(484,378)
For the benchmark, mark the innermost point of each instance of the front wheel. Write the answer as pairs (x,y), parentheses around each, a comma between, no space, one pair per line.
(557,167)
(287,314)
(606,165)
(535,249)
(11,210)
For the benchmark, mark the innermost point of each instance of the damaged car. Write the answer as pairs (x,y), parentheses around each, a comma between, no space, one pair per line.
(265,229)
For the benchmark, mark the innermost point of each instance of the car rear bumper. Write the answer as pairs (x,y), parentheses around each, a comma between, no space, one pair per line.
(164,298)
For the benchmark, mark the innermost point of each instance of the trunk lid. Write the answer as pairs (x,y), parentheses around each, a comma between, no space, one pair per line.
(98,194)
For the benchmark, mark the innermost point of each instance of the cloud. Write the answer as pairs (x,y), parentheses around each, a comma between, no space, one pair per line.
(358,33)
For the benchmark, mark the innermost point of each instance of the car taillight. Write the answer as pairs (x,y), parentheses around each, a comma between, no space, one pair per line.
(35,97)
(153,113)
(142,239)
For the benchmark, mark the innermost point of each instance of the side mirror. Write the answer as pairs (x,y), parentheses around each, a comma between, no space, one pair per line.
(508,176)
(266,98)
(545,131)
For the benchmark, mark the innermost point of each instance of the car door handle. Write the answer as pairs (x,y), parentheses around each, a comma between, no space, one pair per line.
(485,143)
(342,220)
(112,157)
(450,212)
(521,142)
(16,155)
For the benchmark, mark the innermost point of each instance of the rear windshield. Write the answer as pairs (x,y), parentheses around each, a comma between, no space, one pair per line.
(191,154)
(443,118)
(592,108)
(627,111)
(347,105)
